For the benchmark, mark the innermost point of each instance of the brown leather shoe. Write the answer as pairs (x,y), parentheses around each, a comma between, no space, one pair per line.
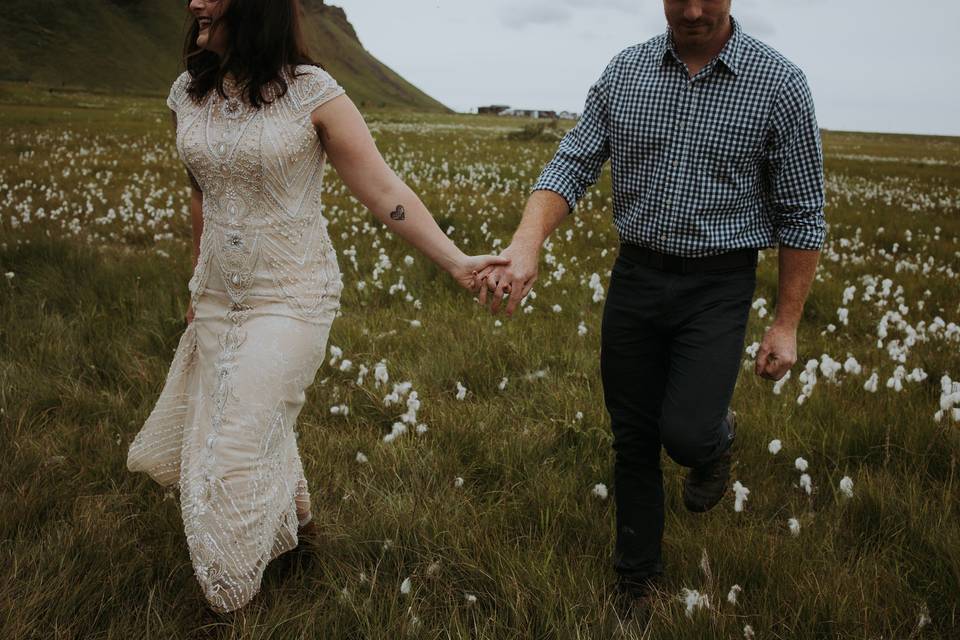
(705,486)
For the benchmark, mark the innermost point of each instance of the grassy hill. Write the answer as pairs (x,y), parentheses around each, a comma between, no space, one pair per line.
(133,46)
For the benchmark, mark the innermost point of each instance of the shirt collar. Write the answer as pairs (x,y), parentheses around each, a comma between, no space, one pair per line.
(729,55)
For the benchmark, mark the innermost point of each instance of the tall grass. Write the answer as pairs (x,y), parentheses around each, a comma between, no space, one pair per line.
(88,323)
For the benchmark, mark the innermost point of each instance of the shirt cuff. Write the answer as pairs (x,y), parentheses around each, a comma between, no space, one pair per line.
(807,238)
(560,184)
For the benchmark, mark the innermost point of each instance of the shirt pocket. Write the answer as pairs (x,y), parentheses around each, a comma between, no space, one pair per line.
(731,154)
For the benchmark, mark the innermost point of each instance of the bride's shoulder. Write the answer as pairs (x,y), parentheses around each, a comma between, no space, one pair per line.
(313,86)
(178,91)
(312,75)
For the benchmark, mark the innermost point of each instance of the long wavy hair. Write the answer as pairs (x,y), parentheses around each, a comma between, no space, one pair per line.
(265,42)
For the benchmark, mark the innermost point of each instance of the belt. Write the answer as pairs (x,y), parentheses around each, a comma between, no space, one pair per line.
(739,259)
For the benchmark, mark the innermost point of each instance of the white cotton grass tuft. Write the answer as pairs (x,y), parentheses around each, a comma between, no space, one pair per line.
(380,374)
(806,484)
(794,526)
(406,586)
(469,598)
(846,486)
(740,494)
(774,447)
(9,275)
(600,491)
(461,391)
(361,458)
(458,482)
(748,633)
(694,600)
(733,593)
(801,464)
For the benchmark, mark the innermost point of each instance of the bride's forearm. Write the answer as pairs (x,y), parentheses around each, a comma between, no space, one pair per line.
(404,213)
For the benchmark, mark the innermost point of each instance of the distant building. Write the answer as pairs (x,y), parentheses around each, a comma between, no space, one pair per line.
(530,113)
(568,115)
(493,109)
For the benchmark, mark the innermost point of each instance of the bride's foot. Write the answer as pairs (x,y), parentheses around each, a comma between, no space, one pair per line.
(307,527)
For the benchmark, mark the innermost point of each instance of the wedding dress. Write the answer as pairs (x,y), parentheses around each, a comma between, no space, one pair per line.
(265,290)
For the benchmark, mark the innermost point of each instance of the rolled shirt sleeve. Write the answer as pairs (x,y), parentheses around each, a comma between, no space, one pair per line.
(795,166)
(583,151)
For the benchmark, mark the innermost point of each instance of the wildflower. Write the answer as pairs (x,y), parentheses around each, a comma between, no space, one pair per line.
(779,384)
(406,586)
(846,486)
(801,464)
(397,430)
(335,354)
(380,373)
(694,600)
(346,365)
(422,429)
(408,260)
(872,383)
(734,592)
(794,525)
(461,391)
(600,491)
(774,447)
(340,410)
(362,459)
(557,308)
(806,484)
(740,496)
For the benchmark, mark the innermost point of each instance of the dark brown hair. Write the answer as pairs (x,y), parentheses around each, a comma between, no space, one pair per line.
(264,41)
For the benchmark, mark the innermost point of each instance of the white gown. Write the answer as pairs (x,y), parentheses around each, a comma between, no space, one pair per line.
(265,291)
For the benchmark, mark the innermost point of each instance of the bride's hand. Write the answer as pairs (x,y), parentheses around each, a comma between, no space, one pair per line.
(466,271)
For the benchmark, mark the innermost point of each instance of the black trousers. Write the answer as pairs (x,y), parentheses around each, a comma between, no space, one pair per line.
(671,350)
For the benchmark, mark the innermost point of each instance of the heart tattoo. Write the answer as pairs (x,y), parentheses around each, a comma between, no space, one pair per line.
(399,213)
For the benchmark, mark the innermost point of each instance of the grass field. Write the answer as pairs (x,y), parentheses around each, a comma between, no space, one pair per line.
(491,513)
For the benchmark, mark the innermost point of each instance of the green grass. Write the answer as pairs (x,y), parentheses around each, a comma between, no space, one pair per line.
(89,321)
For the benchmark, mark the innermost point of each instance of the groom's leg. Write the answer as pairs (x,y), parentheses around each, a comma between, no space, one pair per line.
(710,314)
(633,361)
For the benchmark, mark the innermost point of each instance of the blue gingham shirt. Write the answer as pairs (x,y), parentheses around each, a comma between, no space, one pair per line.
(729,159)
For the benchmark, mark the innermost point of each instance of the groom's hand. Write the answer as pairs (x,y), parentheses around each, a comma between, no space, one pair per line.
(515,279)
(778,352)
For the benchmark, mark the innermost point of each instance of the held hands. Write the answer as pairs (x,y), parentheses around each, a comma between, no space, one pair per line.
(514,279)
(466,271)
(778,352)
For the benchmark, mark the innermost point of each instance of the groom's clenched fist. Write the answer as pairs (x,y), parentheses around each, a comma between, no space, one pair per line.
(515,279)
(778,352)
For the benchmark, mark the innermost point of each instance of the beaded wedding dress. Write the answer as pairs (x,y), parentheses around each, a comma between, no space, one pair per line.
(265,290)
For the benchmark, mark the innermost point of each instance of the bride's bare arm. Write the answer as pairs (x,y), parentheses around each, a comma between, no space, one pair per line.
(355,156)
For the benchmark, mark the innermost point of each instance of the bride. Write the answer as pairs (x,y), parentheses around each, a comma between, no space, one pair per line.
(255,120)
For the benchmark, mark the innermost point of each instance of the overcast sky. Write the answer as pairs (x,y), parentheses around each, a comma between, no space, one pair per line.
(873,65)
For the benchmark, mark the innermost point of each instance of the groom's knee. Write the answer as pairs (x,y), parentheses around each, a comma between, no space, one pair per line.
(688,444)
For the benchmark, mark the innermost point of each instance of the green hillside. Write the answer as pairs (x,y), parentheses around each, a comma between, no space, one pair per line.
(133,46)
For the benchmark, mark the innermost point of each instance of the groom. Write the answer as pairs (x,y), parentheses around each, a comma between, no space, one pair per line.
(715,153)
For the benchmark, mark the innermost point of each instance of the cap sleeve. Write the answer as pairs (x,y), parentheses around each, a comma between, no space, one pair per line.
(178,92)
(315,87)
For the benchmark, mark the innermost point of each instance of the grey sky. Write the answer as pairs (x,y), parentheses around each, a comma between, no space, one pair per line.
(873,65)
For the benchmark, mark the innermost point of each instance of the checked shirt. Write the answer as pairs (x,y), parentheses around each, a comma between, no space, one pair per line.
(728,159)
